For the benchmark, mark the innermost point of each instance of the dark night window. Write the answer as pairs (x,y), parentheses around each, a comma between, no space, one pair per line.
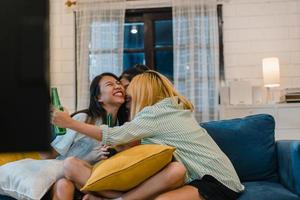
(148,39)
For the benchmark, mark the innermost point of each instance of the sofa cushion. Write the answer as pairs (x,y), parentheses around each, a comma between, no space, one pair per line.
(263,190)
(29,179)
(250,145)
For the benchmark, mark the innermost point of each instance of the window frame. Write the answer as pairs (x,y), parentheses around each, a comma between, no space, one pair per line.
(148,16)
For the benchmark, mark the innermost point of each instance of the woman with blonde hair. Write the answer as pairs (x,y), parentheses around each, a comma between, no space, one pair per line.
(160,115)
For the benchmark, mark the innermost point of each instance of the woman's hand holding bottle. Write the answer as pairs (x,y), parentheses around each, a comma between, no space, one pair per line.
(61,118)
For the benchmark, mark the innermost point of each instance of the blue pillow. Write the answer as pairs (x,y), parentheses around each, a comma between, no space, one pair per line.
(250,145)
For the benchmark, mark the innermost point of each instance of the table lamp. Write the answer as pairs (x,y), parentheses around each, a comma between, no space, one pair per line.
(271,75)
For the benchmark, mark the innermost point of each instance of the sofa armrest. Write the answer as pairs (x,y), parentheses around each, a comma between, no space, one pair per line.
(288,154)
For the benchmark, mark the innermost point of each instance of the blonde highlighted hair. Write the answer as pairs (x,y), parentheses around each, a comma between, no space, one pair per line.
(151,87)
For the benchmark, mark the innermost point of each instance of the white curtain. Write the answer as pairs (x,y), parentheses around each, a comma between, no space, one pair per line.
(196,54)
(100,35)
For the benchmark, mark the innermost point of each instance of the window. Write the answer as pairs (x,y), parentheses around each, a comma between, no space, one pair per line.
(148,39)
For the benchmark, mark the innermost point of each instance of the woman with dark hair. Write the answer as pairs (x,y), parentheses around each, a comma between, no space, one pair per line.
(130,73)
(101,103)
(126,78)
(107,95)
(96,109)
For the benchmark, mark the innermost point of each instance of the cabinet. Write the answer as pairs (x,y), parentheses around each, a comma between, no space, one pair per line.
(287,117)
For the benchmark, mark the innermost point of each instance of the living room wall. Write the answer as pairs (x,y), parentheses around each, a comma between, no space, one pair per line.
(62,52)
(253,29)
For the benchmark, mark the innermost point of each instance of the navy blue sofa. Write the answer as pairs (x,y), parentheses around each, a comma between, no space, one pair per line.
(269,169)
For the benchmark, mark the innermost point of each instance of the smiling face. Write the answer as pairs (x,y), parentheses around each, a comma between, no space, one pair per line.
(111,91)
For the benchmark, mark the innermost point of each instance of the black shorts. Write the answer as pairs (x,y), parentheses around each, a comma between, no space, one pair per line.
(78,195)
(211,189)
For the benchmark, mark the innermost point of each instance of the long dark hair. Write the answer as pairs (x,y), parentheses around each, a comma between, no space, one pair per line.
(95,109)
(130,73)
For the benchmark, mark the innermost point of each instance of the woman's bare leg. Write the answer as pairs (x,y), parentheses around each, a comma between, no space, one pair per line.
(63,189)
(74,165)
(171,177)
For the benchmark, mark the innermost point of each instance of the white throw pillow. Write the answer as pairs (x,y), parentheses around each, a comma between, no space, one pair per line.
(29,179)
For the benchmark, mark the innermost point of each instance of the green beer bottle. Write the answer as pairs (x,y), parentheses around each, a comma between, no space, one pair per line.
(56,104)
(109,120)
(112,151)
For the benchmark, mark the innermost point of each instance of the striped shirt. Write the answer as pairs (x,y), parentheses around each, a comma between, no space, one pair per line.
(167,123)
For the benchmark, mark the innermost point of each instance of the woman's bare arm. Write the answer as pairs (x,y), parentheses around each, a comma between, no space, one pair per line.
(86,129)
(123,147)
(62,119)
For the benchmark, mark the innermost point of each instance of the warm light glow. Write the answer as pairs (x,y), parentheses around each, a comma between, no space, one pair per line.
(133,29)
(271,72)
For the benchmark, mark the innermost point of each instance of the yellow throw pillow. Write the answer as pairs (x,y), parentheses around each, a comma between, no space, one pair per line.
(129,168)
(10,157)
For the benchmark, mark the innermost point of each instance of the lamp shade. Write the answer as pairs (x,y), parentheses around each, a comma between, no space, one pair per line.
(271,73)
